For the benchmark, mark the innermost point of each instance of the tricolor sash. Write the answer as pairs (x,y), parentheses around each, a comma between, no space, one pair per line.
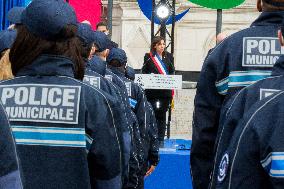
(160,65)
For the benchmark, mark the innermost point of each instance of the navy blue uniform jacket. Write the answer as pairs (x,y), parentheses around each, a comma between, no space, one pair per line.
(238,106)
(9,165)
(254,157)
(240,60)
(64,129)
(115,85)
(121,119)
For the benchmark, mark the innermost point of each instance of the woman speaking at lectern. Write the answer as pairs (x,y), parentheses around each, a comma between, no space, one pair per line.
(159,61)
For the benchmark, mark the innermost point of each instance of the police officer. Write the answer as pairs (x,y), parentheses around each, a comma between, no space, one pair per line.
(55,117)
(134,170)
(254,157)
(86,35)
(152,142)
(137,156)
(116,61)
(239,106)
(238,61)
(9,167)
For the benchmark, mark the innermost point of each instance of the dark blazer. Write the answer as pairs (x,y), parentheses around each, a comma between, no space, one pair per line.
(149,67)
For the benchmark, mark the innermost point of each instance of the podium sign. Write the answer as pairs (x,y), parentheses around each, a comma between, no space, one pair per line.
(158,81)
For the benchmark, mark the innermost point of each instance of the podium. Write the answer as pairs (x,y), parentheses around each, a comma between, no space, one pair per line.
(173,171)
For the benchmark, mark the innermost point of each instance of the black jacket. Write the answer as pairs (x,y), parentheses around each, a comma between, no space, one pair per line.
(232,65)
(149,67)
(66,138)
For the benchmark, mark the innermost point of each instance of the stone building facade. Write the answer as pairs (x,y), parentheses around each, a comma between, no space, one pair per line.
(194,36)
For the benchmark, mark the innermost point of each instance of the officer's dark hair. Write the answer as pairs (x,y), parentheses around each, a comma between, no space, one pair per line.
(103,23)
(156,40)
(272,5)
(85,49)
(27,47)
(116,64)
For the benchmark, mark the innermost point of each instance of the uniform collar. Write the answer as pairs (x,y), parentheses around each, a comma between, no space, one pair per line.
(99,67)
(269,18)
(49,65)
(278,68)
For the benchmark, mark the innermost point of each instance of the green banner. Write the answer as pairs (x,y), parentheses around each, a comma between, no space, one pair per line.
(218,4)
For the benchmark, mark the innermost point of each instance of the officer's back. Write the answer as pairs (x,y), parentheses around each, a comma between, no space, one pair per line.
(116,62)
(61,125)
(240,60)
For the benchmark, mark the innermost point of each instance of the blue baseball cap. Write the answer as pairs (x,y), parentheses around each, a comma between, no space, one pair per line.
(117,54)
(85,33)
(101,41)
(130,73)
(7,38)
(14,15)
(46,18)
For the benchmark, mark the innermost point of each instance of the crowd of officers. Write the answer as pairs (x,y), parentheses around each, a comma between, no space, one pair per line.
(71,115)
(238,122)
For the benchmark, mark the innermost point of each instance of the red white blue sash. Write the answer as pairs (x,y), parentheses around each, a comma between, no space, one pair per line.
(159,64)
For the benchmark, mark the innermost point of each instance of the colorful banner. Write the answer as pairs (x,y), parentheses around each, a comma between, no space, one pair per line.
(87,10)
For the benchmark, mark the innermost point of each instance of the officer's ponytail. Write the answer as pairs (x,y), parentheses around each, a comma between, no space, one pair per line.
(27,47)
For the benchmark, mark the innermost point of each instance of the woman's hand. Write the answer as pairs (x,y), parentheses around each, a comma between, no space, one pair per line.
(150,170)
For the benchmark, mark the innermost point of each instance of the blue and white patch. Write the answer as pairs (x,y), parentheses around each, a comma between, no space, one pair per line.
(41,103)
(246,78)
(49,136)
(222,86)
(240,79)
(92,80)
(223,167)
(274,164)
(128,87)
(267,92)
(261,51)
(108,77)
(89,142)
(132,103)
